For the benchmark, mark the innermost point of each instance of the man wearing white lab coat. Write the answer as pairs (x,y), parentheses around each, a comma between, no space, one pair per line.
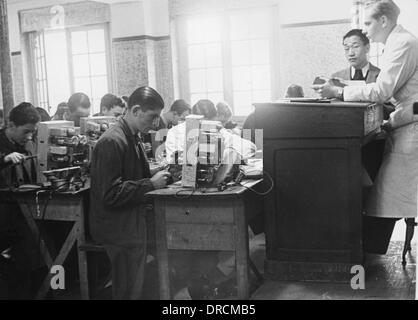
(394,194)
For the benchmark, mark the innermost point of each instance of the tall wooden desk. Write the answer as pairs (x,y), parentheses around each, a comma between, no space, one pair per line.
(195,220)
(313,217)
(63,206)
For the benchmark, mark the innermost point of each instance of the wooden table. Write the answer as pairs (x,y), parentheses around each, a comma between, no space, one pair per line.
(199,220)
(63,206)
(314,215)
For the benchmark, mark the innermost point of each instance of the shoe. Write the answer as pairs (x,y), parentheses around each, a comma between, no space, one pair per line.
(199,289)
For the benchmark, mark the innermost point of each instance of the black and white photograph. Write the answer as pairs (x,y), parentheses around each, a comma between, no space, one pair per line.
(230,152)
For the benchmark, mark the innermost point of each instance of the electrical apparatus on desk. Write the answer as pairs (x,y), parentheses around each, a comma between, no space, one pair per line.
(60,145)
(94,127)
(203,155)
(65,179)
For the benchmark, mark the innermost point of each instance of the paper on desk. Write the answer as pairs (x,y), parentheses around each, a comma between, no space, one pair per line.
(253,168)
(338,81)
(355,83)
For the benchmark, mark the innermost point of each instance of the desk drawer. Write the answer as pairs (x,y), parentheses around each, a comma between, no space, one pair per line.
(198,212)
(200,236)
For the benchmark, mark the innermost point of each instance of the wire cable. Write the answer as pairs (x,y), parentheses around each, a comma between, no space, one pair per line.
(261,193)
(179,195)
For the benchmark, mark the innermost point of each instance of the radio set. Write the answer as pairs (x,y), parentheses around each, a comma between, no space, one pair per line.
(94,127)
(203,154)
(60,145)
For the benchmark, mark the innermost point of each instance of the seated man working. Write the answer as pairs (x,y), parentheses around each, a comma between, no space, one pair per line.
(111,106)
(356,49)
(177,113)
(78,107)
(176,136)
(224,116)
(16,168)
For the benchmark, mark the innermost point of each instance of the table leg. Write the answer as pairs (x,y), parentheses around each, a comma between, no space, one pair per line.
(62,255)
(25,208)
(82,257)
(162,251)
(241,249)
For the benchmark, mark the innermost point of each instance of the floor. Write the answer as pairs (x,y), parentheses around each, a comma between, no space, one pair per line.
(385,278)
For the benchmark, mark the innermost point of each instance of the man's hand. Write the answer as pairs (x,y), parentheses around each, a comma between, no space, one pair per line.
(155,167)
(159,180)
(14,157)
(326,90)
(147,147)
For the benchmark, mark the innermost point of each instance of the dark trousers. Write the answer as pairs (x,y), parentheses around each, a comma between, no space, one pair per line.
(128,266)
(377,233)
(372,156)
(16,239)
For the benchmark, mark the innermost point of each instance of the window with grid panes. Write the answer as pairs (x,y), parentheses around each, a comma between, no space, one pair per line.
(38,65)
(228,58)
(205,63)
(250,57)
(70,60)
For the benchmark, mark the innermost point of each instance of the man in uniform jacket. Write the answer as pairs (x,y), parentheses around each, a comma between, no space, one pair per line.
(120,178)
(356,49)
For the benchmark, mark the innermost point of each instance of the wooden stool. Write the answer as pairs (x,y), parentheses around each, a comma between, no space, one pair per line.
(91,246)
(410,227)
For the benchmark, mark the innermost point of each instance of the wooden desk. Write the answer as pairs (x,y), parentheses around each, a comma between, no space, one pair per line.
(65,206)
(314,216)
(195,220)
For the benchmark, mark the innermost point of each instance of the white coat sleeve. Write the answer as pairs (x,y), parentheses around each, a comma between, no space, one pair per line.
(399,65)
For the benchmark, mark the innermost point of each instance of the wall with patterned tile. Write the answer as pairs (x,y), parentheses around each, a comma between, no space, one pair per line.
(130,63)
(140,61)
(307,51)
(164,70)
(18,83)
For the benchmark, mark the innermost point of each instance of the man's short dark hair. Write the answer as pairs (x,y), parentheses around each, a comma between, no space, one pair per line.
(180,106)
(24,113)
(223,110)
(146,98)
(109,101)
(359,33)
(294,91)
(43,114)
(205,108)
(78,99)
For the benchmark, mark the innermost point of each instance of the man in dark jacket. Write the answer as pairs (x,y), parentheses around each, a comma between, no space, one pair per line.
(16,168)
(120,178)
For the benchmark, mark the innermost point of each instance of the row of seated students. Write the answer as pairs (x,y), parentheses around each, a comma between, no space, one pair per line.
(20,266)
(17,167)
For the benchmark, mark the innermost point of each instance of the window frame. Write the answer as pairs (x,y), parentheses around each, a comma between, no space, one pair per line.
(32,61)
(181,45)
